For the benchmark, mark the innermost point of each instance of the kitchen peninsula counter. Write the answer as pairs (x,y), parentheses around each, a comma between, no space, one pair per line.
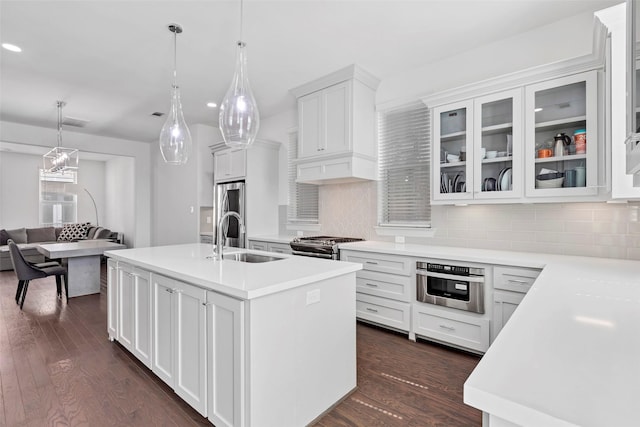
(569,354)
(244,344)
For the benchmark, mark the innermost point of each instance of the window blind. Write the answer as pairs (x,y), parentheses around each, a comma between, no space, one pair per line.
(303,198)
(404,155)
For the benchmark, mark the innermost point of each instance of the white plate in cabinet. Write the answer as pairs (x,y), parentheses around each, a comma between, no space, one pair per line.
(458,329)
(379,262)
(514,278)
(394,314)
(384,285)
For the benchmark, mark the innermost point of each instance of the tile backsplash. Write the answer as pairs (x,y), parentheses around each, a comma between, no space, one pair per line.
(610,230)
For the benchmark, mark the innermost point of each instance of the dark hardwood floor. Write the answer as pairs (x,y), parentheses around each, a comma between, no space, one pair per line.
(58,368)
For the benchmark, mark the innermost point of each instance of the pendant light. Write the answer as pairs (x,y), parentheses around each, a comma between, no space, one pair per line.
(175,138)
(239,118)
(60,159)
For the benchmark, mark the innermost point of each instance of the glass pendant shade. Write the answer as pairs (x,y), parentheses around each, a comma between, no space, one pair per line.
(175,138)
(60,159)
(239,118)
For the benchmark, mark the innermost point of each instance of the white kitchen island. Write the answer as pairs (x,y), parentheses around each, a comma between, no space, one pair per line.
(245,344)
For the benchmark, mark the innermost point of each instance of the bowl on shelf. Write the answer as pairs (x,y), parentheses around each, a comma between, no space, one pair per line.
(502,154)
(492,154)
(452,158)
(483,152)
(463,155)
(550,180)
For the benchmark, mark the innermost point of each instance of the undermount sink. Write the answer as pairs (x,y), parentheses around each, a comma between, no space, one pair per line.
(249,257)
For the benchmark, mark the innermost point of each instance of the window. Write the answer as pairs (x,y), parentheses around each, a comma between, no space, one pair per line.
(404,155)
(57,207)
(303,198)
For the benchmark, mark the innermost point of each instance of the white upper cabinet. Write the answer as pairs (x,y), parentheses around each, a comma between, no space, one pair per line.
(324,121)
(336,128)
(563,109)
(477,148)
(229,164)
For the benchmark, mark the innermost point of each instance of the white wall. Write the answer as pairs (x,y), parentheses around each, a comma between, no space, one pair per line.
(276,128)
(19,187)
(560,40)
(179,191)
(119,176)
(140,233)
(91,175)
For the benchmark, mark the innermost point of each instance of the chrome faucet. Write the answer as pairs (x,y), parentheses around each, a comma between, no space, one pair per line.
(222,236)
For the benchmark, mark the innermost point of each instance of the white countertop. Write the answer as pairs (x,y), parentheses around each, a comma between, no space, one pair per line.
(242,280)
(570,353)
(80,248)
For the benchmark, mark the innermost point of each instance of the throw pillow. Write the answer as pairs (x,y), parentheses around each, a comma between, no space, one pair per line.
(102,233)
(4,236)
(72,232)
(43,234)
(19,235)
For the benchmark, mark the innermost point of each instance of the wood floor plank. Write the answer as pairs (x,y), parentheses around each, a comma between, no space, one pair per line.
(58,368)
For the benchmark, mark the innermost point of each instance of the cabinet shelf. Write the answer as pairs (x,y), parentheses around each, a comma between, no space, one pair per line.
(452,164)
(498,159)
(561,158)
(561,123)
(496,129)
(452,136)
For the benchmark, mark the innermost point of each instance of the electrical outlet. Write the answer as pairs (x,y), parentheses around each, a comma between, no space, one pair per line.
(313,296)
(208,220)
(299,233)
(399,239)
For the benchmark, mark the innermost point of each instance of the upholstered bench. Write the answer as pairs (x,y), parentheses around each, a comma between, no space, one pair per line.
(28,239)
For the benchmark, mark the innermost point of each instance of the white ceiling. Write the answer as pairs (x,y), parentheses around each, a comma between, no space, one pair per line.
(111,61)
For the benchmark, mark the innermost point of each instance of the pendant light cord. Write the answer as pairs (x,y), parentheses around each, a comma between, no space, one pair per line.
(60,104)
(175,60)
(241,19)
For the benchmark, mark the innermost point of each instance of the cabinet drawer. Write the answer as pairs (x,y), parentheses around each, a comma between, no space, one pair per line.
(280,248)
(258,246)
(383,311)
(516,279)
(458,329)
(379,262)
(384,285)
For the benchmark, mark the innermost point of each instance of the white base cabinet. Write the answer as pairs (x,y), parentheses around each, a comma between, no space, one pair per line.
(180,339)
(226,351)
(385,288)
(278,360)
(511,285)
(458,329)
(264,245)
(134,311)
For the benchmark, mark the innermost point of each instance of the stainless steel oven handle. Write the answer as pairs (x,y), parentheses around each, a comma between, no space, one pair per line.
(470,279)
(312,254)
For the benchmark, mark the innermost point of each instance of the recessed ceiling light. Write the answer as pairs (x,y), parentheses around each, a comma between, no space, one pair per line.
(212,104)
(11,47)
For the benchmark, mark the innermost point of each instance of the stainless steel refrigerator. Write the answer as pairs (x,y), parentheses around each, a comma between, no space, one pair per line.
(230,196)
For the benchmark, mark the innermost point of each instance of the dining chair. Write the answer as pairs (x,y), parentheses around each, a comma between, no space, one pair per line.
(26,271)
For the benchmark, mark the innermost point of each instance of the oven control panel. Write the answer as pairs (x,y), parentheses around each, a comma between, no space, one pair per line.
(448,269)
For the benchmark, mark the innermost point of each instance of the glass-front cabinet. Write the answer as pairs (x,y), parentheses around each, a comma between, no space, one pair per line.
(562,136)
(498,145)
(453,145)
(479,144)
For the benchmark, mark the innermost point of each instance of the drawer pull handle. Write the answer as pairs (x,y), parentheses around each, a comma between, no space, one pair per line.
(518,281)
(373,285)
(372,309)
(372,262)
(169,290)
(448,328)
